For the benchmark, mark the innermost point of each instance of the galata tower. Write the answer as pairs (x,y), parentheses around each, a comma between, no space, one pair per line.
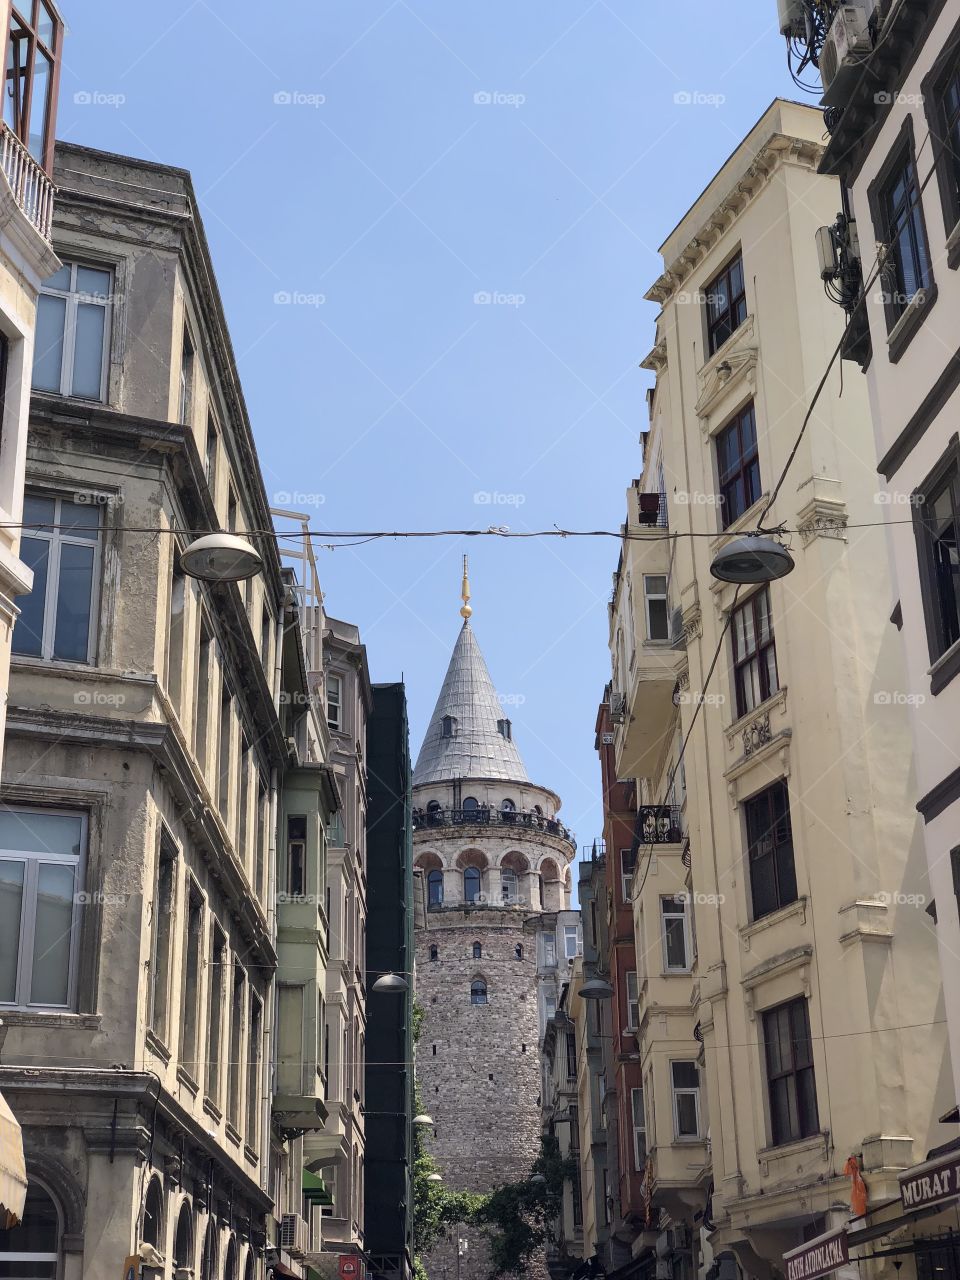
(491,863)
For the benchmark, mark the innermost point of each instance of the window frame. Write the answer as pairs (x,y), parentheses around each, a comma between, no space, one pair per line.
(433,903)
(333,698)
(633,999)
(53,52)
(674,914)
(28,896)
(750,807)
(639,1130)
(73,298)
(747,462)
(626,876)
(789,1007)
(757,656)
(473,872)
(167,852)
(478,988)
(728,315)
(946,159)
(676,1091)
(573,929)
(56,539)
(945,475)
(648,598)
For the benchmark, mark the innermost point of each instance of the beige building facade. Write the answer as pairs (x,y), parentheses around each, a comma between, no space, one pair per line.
(789,1009)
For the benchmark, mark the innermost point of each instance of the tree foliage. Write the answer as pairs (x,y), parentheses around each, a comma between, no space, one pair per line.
(518,1216)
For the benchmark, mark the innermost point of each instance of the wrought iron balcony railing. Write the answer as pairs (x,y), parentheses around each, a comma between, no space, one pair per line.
(32,189)
(424,819)
(659,824)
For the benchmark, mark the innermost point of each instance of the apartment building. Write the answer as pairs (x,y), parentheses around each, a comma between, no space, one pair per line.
(789,1001)
(159,732)
(561,1125)
(337,1152)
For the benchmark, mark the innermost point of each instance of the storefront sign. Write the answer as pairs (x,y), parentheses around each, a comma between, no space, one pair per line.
(931,1183)
(818,1257)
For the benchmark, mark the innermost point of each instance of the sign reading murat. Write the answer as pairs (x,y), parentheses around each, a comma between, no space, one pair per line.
(931,1183)
(818,1257)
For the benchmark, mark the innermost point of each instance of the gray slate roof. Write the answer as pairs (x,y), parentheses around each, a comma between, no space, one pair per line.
(477,749)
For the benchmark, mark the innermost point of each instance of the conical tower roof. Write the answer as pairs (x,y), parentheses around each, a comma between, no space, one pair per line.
(475,746)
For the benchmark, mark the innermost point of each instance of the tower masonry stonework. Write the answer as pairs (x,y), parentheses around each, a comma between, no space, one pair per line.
(492,863)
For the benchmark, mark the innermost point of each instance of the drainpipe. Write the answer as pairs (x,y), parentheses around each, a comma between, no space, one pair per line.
(269,1009)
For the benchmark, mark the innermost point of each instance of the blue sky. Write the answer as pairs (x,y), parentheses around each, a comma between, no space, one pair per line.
(433,223)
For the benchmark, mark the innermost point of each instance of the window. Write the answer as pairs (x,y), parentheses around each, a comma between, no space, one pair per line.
(183,1241)
(435,889)
(448,727)
(297,855)
(254,1050)
(33,52)
(471,884)
(508,806)
(218,975)
(71,344)
(210,453)
(178,607)
(164,904)
(571,1043)
(509,885)
(790,1080)
(192,960)
(58,618)
(639,1129)
(685,1078)
(673,915)
(907,267)
(655,604)
(738,466)
(32,1248)
(204,650)
(477,951)
(235,1077)
(505,729)
(773,875)
(726,303)
(334,701)
(224,753)
(755,675)
(937,528)
(40,878)
(633,1001)
(549,1005)
(478,991)
(571,941)
(434,952)
(187,362)
(937,1260)
(628,864)
(470,805)
(152,1231)
(518,951)
(549,950)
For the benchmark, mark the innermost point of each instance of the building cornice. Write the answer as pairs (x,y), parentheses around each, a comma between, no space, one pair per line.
(778,150)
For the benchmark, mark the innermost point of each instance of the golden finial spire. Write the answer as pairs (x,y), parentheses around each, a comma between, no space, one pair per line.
(466,611)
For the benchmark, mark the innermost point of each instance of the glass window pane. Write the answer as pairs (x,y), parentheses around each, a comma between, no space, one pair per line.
(656,584)
(53,928)
(673,931)
(71,639)
(28,629)
(80,518)
(48,342)
(60,279)
(38,511)
(11,903)
(27,831)
(659,629)
(94,282)
(88,351)
(39,104)
(686,1115)
(685,1075)
(46,26)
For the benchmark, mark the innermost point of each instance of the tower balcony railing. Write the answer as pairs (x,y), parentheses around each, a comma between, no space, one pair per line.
(32,189)
(483,816)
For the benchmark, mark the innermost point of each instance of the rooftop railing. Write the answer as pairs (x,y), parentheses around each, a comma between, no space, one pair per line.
(424,819)
(32,189)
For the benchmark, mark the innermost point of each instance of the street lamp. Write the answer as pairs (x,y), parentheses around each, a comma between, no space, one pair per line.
(221,557)
(434,1177)
(596,989)
(423,1121)
(752,558)
(391,983)
(539,1179)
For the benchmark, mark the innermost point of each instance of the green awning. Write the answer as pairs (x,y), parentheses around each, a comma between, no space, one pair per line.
(315,1189)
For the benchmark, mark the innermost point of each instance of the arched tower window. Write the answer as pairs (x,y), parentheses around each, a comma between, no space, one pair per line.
(508,806)
(230,1264)
(434,952)
(33,1246)
(448,727)
(471,884)
(208,1261)
(470,805)
(478,991)
(518,950)
(509,884)
(477,951)
(183,1241)
(435,888)
(152,1232)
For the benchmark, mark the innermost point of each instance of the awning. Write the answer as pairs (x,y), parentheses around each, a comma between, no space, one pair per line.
(13,1171)
(315,1189)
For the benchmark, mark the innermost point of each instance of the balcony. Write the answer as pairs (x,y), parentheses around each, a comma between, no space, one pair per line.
(31,188)
(435,819)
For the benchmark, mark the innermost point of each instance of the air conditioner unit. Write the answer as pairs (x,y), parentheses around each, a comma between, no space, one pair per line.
(618,707)
(294,1234)
(847,44)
